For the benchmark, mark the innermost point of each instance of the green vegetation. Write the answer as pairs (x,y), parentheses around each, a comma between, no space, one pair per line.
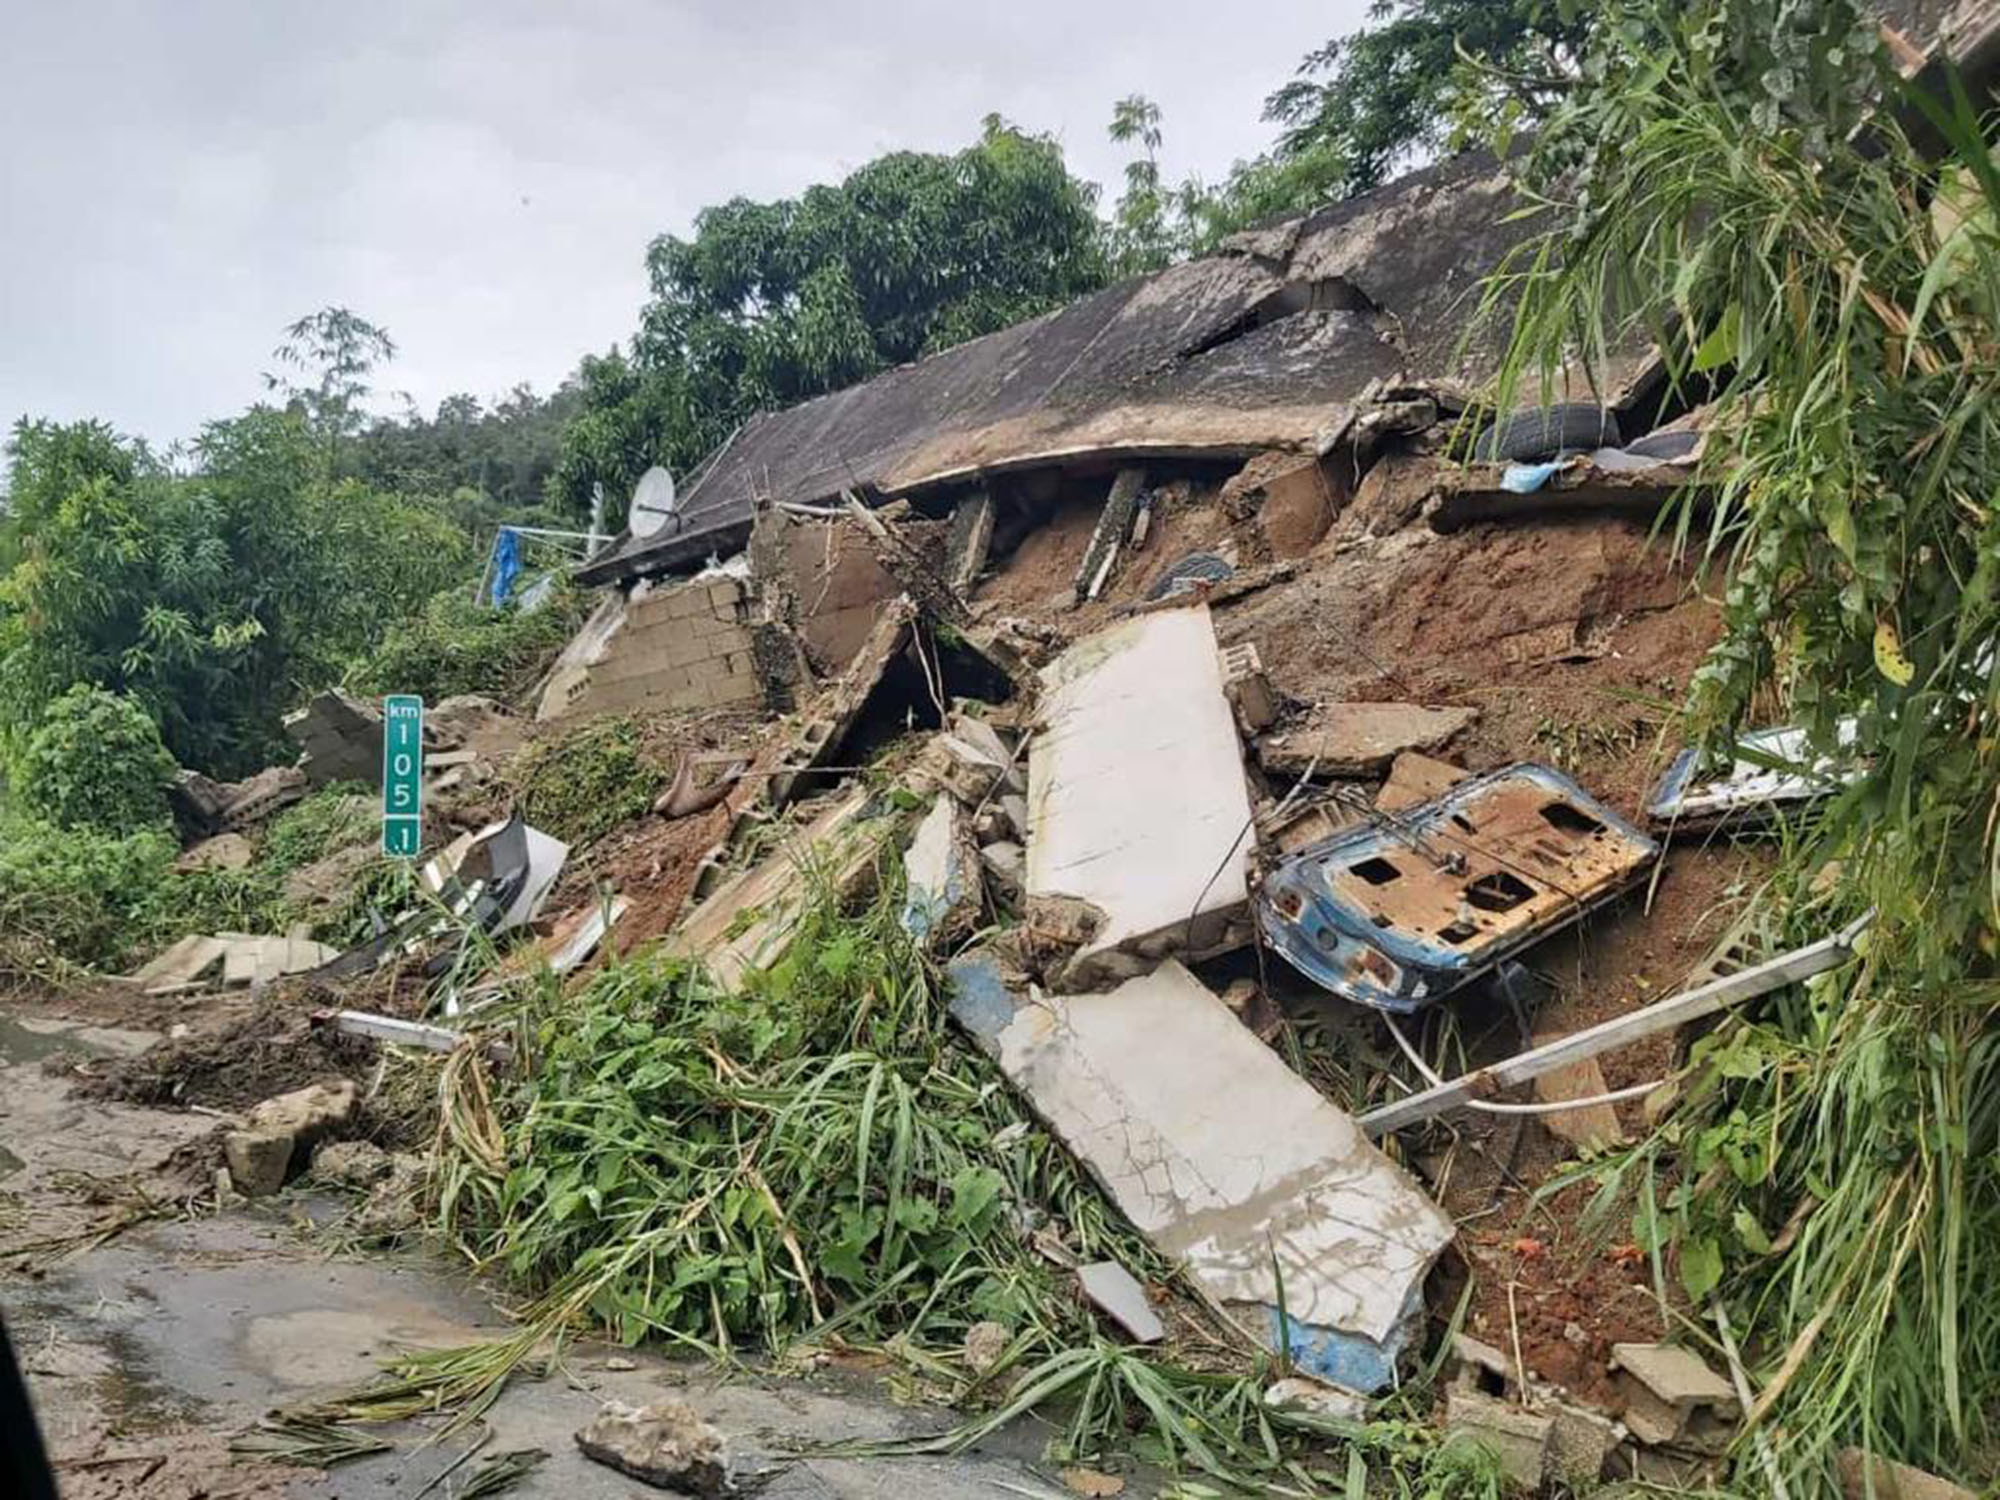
(1423,78)
(95,761)
(770,303)
(455,644)
(824,1157)
(580,785)
(1832,1174)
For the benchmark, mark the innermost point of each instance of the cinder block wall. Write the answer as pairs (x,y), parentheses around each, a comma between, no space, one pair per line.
(685,647)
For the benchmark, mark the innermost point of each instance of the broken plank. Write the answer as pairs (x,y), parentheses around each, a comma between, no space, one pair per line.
(393,1029)
(1620,1031)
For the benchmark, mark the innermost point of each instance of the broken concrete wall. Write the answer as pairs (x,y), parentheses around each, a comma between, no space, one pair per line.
(1225,1158)
(1289,498)
(683,647)
(823,580)
(1136,795)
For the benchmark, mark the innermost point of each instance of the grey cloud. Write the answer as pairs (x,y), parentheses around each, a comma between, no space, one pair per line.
(180,181)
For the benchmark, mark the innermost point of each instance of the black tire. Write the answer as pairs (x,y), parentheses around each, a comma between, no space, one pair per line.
(1546,431)
(1664,446)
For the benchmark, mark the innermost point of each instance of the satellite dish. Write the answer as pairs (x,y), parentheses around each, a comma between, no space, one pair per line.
(653,502)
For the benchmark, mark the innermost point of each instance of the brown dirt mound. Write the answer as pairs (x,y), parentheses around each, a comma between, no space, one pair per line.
(233,1066)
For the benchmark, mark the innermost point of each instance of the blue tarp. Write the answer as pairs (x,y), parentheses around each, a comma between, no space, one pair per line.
(506,564)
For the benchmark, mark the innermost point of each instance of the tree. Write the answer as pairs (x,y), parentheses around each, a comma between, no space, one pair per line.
(336,350)
(770,303)
(1427,75)
(214,598)
(1140,235)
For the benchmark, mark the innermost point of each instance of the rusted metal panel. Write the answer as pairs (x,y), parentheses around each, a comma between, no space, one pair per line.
(1402,910)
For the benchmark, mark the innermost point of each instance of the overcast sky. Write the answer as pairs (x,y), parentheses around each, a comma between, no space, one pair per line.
(179,181)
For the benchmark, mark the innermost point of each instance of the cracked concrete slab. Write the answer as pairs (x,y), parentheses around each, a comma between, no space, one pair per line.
(1227,1160)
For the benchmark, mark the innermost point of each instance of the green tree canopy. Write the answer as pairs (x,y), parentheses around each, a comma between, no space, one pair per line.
(214,597)
(770,303)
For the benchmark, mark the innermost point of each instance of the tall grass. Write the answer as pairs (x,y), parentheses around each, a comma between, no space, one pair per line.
(1740,181)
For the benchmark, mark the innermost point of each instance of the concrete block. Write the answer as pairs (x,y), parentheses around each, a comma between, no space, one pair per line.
(1519,1439)
(1249,688)
(1580,1443)
(1360,739)
(1676,1375)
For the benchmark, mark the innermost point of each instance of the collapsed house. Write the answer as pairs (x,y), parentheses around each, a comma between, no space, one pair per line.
(1253,662)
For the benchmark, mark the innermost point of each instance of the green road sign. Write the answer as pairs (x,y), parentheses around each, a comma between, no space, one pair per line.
(402,775)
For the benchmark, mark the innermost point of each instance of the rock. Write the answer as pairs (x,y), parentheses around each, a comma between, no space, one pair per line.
(396,1204)
(1092,1482)
(1892,1480)
(1477,1363)
(308,1112)
(666,1444)
(259,1160)
(954,764)
(1006,865)
(1518,1439)
(226,851)
(985,1344)
(353,1164)
(1317,1397)
(618,1364)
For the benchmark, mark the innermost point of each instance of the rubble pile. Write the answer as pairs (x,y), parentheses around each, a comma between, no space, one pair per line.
(1222,757)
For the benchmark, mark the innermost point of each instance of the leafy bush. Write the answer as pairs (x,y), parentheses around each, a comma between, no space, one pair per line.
(95,760)
(315,827)
(78,892)
(458,646)
(583,785)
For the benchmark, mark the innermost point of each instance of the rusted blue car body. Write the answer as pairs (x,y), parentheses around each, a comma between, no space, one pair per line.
(1401,910)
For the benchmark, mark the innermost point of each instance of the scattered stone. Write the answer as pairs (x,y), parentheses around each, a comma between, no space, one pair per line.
(1117,1294)
(1303,1393)
(261,1154)
(1094,1482)
(226,851)
(666,1444)
(985,1345)
(351,1164)
(618,1364)
(1518,1439)
(259,1160)
(1651,1420)
(1867,1477)
(396,1204)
